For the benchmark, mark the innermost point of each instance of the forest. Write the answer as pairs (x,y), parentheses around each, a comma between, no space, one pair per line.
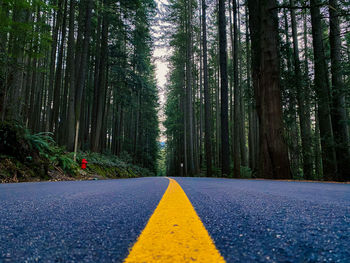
(255,89)
(81,72)
(258,88)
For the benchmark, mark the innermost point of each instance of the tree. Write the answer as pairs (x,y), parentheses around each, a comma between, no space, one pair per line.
(274,162)
(237,97)
(289,116)
(339,116)
(303,107)
(207,99)
(86,42)
(189,103)
(322,91)
(225,150)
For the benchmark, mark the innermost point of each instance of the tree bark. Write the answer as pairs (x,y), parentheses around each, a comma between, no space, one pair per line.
(339,116)
(81,74)
(58,81)
(273,157)
(96,136)
(189,108)
(56,27)
(237,99)
(225,148)
(322,92)
(302,108)
(70,79)
(207,97)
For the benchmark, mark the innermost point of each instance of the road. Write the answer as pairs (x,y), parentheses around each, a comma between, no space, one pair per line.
(129,219)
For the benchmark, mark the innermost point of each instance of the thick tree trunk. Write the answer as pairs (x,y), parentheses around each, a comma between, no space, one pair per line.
(254,27)
(322,92)
(273,157)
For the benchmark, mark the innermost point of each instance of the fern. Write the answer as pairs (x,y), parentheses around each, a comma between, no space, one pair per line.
(42,141)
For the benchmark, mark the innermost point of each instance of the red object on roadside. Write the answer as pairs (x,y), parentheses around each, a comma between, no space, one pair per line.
(83,164)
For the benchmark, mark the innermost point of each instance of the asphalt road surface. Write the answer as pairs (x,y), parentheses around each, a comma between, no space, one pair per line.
(248,220)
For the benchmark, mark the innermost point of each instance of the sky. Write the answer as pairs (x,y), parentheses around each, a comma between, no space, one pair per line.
(161,68)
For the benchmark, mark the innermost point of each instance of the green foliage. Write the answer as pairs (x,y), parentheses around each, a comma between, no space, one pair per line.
(17,151)
(26,155)
(65,160)
(48,149)
(42,141)
(216,171)
(246,172)
(112,166)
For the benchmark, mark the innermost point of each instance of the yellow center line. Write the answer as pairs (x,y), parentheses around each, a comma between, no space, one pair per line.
(174,233)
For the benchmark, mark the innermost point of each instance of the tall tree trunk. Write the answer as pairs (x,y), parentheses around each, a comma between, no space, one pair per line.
(292,128)
(189,108)
(57,21)
(273,157)
(95,138)
(58,81)
(201,97)
(302,103)
(322,92)
(81,75)
(96,79)
(339,117)
(243,141)
(225,144)
(207,97)
(253,128)
(254,27)
(318,151)
(183,106)
(237,98)
(70,79)
(217,112)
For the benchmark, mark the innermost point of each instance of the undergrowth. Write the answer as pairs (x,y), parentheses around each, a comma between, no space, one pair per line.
(24,156)
(112,165)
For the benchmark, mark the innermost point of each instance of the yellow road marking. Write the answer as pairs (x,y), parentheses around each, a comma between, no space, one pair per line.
(174,233)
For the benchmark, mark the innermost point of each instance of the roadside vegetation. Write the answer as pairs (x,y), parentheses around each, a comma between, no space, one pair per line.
(34,157)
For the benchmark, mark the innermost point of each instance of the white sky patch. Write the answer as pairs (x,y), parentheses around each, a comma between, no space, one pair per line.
(162,68)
